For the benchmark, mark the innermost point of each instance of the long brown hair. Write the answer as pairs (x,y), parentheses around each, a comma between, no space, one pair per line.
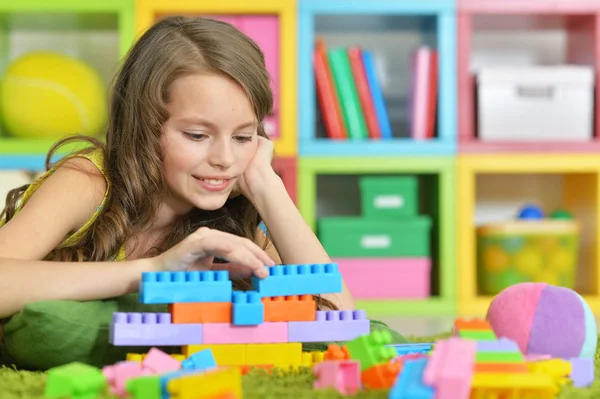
(171,48)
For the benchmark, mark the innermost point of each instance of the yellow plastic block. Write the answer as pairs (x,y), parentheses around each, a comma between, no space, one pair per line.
(139,357)
(205,385)
(275,354)
(309,359)
(557,369)
(512,386)
(224,354)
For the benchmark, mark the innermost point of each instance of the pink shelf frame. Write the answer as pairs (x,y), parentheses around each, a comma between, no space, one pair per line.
(581,19)
(287,168)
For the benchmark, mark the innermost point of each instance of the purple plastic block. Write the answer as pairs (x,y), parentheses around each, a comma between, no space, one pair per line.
(330,325)
(582,373)
(501,345)
(152,329)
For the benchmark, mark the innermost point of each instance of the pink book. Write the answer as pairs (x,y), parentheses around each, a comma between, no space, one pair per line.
(423,98)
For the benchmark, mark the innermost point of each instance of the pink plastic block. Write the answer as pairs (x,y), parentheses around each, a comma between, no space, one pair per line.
(118,374)
(331,325)
(158,362)
(266,333)
(342,375)
(388,278)
(450,368)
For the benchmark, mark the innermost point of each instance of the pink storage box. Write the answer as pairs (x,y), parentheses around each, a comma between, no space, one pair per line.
(387,278)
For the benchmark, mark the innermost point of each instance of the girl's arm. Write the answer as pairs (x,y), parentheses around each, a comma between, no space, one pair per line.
(293,238)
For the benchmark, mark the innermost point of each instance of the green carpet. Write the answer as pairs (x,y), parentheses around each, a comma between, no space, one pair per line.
(256,385)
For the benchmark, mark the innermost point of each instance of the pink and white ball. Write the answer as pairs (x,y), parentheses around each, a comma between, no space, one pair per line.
(545,319)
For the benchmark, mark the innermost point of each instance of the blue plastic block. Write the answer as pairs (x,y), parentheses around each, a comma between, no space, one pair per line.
(199,361)
(248,309)
(409,384)
(196,286)
(407,349)
(299,280)
(501,345)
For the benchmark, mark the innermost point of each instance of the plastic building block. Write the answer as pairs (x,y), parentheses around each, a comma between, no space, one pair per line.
(473,325)
(248,310)
(309,359)
(139,357)
(582,372)
(204,385)
(501,345)
(405,349)
(248,367)
(501,368)
(477,335)
(371,349)
(290,308)
(146,387)
(200,361)
(152,329)
(499,357)
(342,375)
(266,333)
(287,354)
(194,286)
(299,280)
(409,384)
(450,368)
(381,376)
(224,354)
(330,325)
(159,362)
(411,356)
(557,369)
(74,380)
(200,312)
(494,385)
(335,352)
(118,374)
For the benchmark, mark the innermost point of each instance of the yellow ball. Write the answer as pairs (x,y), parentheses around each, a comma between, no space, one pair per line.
(49,95)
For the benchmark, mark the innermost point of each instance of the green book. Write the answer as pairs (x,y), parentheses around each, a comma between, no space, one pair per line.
(347,93)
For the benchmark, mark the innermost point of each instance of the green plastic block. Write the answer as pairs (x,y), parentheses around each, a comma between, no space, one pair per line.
(363,237)
(371,349)
(499,357)
(482,335)
(385,197)
(74,380)
(147,387)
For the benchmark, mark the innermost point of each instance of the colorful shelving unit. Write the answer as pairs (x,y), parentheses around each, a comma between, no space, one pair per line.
(437,178)
(372,24)
(61,25)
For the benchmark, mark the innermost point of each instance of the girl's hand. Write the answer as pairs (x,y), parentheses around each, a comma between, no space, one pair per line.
(259,170)
(198,250)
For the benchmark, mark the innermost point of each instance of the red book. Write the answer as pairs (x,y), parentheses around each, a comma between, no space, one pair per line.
(327,95)
(364,94)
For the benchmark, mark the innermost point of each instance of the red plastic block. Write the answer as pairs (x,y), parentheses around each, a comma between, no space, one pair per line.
(330,325)
(266,333)
(381,376)
(335,352)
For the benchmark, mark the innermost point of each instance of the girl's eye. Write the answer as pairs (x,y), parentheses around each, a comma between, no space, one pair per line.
(195,136)
(243,139)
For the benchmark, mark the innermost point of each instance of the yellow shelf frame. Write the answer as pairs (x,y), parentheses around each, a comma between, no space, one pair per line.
(583,173)
(286,143)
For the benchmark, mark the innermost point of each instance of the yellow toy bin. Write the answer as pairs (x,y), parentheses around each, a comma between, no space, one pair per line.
(526,251)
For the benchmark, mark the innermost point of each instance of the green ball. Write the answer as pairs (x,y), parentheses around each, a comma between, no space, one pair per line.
(561,214)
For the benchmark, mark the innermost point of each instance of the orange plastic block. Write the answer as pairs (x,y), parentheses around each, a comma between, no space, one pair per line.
(473,325)
(335,352)
(290,308)
(246,368)
(381,375)
(228,395)
(501,368)
(200,312)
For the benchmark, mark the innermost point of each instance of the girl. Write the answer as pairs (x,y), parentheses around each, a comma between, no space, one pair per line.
(183,182)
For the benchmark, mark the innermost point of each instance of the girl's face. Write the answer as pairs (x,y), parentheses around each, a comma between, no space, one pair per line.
(208,141)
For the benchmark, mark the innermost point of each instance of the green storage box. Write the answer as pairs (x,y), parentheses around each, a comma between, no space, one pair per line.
(364,237)
(389,196)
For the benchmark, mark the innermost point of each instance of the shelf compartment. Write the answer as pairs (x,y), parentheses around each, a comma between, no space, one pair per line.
(329,187)
(522,37)
(287,169)
(391,30)
(279,17)
(493,189)
(99,33)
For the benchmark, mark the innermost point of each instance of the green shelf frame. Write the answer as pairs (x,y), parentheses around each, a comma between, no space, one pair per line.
(444,167)
(87,15)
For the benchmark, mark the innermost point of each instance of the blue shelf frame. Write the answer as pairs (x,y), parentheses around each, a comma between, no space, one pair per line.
(445,13)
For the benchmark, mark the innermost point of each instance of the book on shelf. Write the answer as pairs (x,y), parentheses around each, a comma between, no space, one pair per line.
(423,94)
(349,94)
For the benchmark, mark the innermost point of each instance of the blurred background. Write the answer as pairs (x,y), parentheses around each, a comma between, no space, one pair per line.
(441,150)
